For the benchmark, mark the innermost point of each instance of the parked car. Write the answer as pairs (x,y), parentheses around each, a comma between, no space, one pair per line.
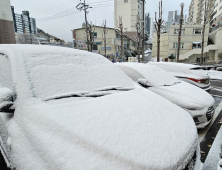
(192,74)
(194,100)
(71,109)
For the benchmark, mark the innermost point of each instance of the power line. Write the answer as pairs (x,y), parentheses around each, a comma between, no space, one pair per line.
(69,12)
(53,7)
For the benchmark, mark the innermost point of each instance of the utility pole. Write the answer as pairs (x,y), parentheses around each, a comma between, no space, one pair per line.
(83,6)
(203,32)
(180,32)
(158,25)
(143,34)
(121,32)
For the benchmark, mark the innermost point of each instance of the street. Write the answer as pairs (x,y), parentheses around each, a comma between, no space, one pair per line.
(208,134)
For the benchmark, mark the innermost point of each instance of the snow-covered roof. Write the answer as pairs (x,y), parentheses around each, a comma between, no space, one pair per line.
(189,66)
(181,69)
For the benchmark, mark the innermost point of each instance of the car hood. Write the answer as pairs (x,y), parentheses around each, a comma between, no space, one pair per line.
(136,129)
(186,96)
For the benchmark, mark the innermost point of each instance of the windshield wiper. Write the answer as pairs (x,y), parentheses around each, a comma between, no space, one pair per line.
(171,84)
(66,95)
(115,88)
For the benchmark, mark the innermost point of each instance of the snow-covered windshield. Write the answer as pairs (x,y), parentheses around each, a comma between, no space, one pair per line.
(154,75)
(55,72)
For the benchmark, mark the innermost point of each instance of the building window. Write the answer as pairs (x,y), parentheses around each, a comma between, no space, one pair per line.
(197,45)
(175,45)
(117,36)
(95,34)
(176,31)
(197,31)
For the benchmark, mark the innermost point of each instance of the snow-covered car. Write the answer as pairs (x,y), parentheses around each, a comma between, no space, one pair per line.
(194,100)
(187,72)
(69,109)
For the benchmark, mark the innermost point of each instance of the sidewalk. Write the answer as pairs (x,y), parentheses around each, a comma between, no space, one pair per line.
(214,157)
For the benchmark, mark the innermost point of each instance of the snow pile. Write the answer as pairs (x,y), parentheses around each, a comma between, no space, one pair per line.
(217,75)
(6,98)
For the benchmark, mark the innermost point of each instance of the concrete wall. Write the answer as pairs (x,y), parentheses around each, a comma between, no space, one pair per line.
(164,46)
(7,34)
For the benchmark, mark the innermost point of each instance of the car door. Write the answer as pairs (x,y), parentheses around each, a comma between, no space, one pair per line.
(5,81)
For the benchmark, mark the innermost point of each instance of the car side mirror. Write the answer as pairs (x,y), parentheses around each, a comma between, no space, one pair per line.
(7,98)
(143,82)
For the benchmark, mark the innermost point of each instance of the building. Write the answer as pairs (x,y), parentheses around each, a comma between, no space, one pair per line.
(23,23)
(129,11)
(7,34)
(173,17)
(149,26)
(216,15)
(190,47)
(113,48)
(196,10)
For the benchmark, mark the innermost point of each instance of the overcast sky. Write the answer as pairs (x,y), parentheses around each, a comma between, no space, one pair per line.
(58,17)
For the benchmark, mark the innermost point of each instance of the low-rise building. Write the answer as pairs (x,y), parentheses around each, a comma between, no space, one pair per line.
(113,47)
(190,47)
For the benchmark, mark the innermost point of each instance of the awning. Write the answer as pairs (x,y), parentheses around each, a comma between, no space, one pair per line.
(197,42)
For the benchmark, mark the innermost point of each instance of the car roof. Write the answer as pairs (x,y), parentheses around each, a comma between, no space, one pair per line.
(171,64)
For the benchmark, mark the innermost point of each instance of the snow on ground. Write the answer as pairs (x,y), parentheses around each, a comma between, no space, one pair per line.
(213,158)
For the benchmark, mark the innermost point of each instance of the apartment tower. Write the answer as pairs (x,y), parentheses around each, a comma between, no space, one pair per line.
(196,10)
(129,10)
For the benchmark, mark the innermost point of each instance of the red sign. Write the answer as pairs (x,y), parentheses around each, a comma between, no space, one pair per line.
(74,34)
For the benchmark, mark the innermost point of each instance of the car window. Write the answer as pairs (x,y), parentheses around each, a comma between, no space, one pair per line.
(5,72)
(132,74)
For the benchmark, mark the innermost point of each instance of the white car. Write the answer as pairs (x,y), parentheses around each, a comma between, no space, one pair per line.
(69,109)
(194,100)
(192,74)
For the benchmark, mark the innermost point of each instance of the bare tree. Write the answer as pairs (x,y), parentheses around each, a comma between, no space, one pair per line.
(139,30)
(158,25)
(91,36)
(26,39)
(120,26)
(104,33)
(180,32)
(143,33)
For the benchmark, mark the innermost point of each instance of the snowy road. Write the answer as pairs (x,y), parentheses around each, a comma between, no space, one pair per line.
(209,136)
